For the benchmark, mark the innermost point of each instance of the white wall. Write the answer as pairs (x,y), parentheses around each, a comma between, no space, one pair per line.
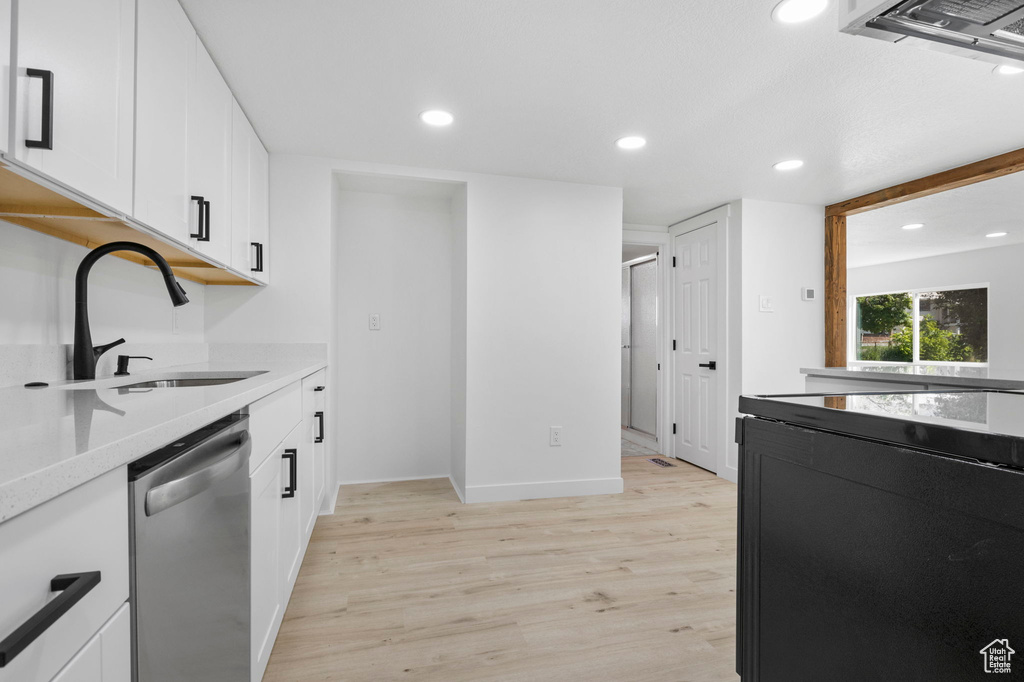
(394,258)
(457,463)
(542,318)
(999,267)
(783,248)
(37,274)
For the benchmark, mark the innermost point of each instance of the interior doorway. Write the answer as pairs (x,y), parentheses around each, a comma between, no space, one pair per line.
(640,363)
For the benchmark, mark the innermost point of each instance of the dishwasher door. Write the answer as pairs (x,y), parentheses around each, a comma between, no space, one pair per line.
(189,553)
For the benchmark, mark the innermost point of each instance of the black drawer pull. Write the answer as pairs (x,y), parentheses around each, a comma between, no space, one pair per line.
(206,222)
(45,140)
(259,257)
(320,437)
(319,388)
(200,219)
(73,586)
(292,455)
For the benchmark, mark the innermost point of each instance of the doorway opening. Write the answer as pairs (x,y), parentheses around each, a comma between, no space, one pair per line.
(640,352)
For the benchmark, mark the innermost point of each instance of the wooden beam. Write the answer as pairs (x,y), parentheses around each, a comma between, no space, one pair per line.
(995,167)
(835,291)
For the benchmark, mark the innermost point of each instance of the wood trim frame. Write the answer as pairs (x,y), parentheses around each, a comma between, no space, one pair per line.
(835,233)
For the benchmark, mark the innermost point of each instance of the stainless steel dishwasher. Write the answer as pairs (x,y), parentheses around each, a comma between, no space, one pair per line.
(189,542)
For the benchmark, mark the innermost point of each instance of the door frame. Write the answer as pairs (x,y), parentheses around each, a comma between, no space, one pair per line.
(664,336)
(719,218)
(635,435)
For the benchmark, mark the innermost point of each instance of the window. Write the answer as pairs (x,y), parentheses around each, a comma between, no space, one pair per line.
(945,325)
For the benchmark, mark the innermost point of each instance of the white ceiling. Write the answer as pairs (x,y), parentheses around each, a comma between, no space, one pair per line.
(955,221)
(542,88)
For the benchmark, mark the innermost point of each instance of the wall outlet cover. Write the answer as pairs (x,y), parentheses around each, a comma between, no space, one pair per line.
(765,304)
(374,322)
(556,436)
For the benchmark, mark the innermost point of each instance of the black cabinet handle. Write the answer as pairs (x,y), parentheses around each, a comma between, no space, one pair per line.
(320,417)
(709,365)
(201,220)
(319,388)
(73,586)
(206,223)
(45,140)
(259,257)
(292,455)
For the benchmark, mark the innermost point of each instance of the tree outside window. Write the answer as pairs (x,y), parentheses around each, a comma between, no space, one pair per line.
(950,326)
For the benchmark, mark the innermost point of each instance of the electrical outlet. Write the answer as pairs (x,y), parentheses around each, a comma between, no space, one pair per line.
(374,322)
(765,304)
(556,436)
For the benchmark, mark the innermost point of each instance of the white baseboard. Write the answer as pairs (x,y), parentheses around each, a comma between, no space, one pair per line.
(330,502)
(395,480)
(458,490)
(542,489)
(640,439)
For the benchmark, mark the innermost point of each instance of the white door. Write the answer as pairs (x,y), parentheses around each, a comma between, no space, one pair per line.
(695,380)
(209,158)
(82,54)
(167,49)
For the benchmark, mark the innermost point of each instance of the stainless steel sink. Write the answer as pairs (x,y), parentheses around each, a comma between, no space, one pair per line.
(184,383)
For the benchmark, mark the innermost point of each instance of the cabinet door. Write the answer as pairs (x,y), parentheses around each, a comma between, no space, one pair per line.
(265,488)
(259,204)
(89,48)
(209,158)
(311,458)
(107,657)
(241,233)
(166,60)
(291,514)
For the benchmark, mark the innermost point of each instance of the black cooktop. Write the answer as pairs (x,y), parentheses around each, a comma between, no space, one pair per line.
(982,425)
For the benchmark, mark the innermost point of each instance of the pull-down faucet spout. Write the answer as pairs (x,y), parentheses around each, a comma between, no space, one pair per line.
(85,353)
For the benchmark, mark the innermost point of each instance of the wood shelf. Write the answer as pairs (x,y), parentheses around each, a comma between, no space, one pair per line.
(36,207)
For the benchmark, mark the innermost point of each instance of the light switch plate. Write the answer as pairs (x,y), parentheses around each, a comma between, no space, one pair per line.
(374,322)
(765,304)
(808,293)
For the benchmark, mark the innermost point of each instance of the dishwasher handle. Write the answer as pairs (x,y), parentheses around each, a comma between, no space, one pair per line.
(221,466)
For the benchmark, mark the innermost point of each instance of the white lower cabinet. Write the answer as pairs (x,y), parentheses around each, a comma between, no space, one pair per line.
(314,439)
(72,550)
(281,488)
(106,657)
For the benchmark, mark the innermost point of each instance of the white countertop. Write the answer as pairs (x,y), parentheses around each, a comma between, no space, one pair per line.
(932,375)
(56,438)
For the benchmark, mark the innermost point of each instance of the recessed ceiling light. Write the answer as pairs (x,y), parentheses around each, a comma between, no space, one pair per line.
(792,164)
(913,226)
(436,117)
(1007,70)
(995,234)
(796,11)
(630,142)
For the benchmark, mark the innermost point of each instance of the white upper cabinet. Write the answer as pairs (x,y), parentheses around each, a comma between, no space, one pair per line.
(248,199)
(209,158)
(166,62)
(76,93)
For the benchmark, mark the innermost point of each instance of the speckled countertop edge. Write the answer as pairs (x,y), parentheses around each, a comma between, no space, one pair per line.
(930,380)
(21,494)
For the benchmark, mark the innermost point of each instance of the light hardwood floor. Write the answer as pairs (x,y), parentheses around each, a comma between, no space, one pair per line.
(406,583)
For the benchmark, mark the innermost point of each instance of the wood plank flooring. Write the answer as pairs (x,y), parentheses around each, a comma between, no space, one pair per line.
(406,583)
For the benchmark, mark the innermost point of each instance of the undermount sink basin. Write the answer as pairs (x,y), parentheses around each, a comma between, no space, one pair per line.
(184,383)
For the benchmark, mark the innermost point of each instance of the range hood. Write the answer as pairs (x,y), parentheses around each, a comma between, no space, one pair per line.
(989,30)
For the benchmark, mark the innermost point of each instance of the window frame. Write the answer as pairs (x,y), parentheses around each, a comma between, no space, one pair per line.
(915,313)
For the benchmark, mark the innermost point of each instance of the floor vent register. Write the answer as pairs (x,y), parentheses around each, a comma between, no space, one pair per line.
(660,462)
